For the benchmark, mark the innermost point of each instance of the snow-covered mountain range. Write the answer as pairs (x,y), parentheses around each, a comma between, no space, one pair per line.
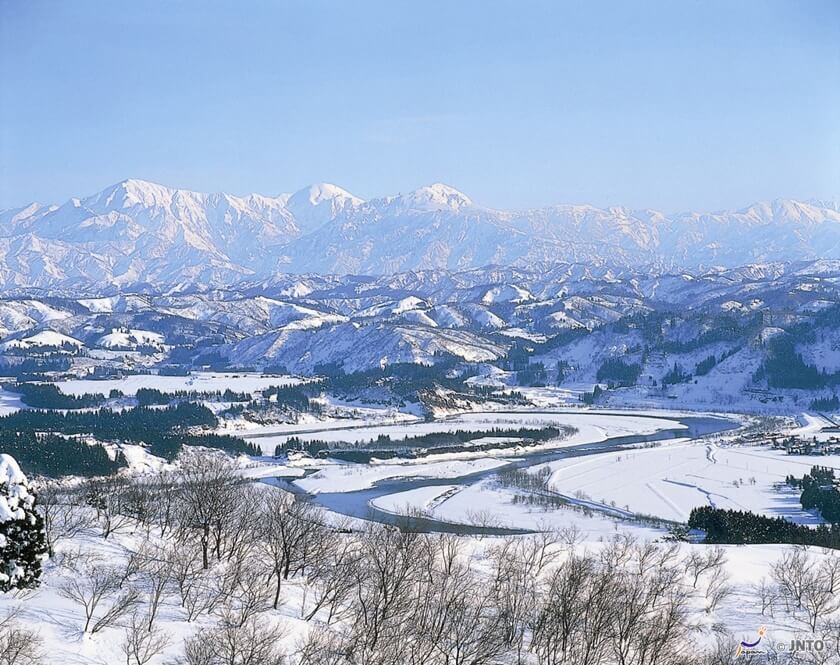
(572,313)
(139,233)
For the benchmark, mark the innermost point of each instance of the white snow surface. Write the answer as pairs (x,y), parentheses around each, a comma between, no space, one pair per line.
(198,381)
(669,481)
(44,338)
(130,339)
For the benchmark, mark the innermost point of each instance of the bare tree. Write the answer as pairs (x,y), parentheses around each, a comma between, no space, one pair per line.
(254,643)
(166,506)
(768,594)
(818,600)
(157,576)
(139,500)
(142,642)
(202,596)
(455,619)
(324,648)
(829,571)
(701,562)
(244,523)
(811,587)
(108,496)
(790,573)
(242,592)
(625,606)
(208,488)
(517,566)
(571,619)
(717,589)
(195,587)
(385,591)
(95,587)
(18,645)
(129,570)
(570,537)
(830,632)
(294,535)
(721,653)
(648,617)
(63,515)
(332,578)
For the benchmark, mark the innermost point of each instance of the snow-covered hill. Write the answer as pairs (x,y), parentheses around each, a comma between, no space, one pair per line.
(571,315)
(137,232)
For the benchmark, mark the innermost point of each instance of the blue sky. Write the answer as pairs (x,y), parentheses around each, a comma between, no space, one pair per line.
(671,105)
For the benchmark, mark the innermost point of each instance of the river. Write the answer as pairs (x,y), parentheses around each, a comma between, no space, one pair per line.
(357,503)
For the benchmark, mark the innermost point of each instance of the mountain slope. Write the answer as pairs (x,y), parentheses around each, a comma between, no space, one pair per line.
(137,232)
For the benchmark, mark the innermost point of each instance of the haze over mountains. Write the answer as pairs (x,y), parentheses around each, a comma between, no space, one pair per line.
(139,233)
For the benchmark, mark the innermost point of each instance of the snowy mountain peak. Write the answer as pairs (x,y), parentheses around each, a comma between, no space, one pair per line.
(435,197)
(319,203)
(323,192)
(132,192)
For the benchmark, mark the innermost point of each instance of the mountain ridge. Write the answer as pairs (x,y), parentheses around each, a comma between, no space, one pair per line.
(137,231)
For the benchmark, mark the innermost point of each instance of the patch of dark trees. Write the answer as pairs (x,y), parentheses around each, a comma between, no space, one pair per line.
(163,430)
(617,373)
(435,443)
(54,455)
(785,368)
(737,527)
(819,492)
(826,403)
(48,396)
(153,396)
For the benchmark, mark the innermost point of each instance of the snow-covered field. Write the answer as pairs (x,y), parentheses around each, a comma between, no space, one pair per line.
(198,381)
(669,481)
(486,504)
(9,402)
(611,488)
(352,477)
(591,426)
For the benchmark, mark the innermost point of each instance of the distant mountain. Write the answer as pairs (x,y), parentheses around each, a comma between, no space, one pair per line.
(136,232)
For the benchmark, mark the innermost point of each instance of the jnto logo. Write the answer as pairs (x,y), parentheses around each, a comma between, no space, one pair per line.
(751,647)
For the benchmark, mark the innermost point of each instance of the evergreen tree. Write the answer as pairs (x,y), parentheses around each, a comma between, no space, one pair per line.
(23,544)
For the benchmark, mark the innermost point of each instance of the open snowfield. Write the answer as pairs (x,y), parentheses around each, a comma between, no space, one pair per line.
(9,402)
(592,427)
(669,481)
(487,504)
(352,477)
(199,381)
(812,428)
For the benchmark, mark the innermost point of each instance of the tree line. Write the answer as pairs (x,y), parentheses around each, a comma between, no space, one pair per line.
(154,396)
(738,527)
(384,447)
(62,452)
(785,368)
(49,396)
